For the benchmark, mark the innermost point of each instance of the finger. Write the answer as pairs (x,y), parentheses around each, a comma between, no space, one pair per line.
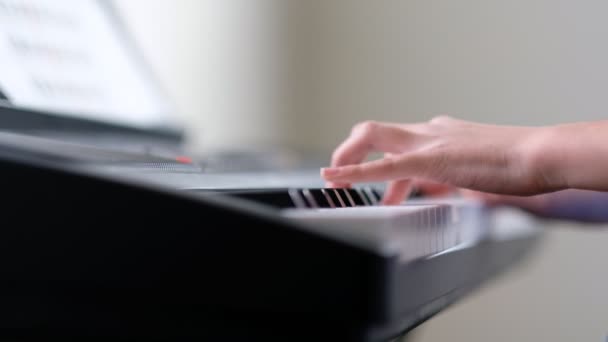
(397,191)
(431,189)
(487,198)
(367,137)
(386,169)
(337,185)
(364,138)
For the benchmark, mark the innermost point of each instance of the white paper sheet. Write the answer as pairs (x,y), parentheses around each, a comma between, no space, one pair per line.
(68,56)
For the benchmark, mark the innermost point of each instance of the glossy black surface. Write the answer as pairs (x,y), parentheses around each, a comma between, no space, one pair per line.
(87,256)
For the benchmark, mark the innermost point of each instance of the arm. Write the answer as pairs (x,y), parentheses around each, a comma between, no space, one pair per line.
(508,160)
(575,155)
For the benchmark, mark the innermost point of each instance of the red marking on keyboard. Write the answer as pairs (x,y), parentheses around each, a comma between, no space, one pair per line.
(184,159)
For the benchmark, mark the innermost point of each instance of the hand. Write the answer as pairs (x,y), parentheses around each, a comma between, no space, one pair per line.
(481,157)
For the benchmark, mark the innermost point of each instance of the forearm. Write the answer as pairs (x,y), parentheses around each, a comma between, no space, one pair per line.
(573,156)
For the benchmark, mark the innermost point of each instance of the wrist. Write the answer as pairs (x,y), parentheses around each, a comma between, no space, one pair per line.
(543,153)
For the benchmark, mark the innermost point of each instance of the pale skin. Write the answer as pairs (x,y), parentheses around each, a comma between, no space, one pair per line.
(516,165)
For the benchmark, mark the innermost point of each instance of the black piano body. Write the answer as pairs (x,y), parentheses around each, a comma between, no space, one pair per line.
(92,255)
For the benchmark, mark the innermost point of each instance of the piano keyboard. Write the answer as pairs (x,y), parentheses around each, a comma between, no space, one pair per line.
(409,231)
(412,230)
(308,198)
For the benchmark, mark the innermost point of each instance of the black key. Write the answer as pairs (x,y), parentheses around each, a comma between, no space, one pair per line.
(375,194)
(320,198)
(368,196)
(309,198)
(328,196)
(346,197)
(355,194)
(333,193)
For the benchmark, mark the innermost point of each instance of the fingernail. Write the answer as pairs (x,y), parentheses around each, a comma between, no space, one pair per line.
(330,171)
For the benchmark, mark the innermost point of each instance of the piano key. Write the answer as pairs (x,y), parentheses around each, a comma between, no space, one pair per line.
(414,229)
(322,198)
(377,195)
(340,197)
(312,203)
(327,193)
(348,200)
(283,198)
(363,197)
(355,195)
(296,198)
(371,196)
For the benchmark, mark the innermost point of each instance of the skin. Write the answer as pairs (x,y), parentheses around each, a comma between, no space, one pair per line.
(500,164)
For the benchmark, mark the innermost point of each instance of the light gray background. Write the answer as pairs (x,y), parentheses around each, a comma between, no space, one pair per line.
(299,74)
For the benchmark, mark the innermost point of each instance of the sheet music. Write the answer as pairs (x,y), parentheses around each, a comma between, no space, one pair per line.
(67,56)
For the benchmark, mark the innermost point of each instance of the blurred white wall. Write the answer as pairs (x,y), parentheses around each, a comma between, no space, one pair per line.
(221,61)
(301,73)
(518,61)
